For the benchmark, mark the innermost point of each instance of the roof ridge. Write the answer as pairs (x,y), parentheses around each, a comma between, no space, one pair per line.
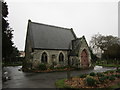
(50,25)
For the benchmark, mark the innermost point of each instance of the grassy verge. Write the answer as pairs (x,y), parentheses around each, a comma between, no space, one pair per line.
(61,84)
(108,65)
(11,64)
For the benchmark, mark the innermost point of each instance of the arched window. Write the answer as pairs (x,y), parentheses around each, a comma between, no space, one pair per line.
(61,57)
(44,58)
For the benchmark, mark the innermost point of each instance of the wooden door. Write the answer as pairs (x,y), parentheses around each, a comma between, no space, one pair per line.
(84,59)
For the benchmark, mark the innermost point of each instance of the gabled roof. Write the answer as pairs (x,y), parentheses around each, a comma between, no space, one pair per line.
(50,37)
(76,45)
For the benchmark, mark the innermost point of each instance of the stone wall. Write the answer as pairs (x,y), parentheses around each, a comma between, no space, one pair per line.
(76,60)
(37,54)
(84,46)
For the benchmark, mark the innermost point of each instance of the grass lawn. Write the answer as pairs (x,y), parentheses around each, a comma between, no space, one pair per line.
(108,65)
(61,84)
(11,64)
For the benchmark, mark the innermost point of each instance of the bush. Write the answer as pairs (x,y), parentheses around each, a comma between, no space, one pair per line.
(111,78)
(118,70)
(90,81)
(106,72)
(92,74)
(51,67)
(111,71)
(42,67)
(118,76)
(83,75)
(100,74)
(62,67)
(103,78)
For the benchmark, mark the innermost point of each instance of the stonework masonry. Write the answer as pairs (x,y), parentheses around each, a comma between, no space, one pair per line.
(37,54)
(53,45)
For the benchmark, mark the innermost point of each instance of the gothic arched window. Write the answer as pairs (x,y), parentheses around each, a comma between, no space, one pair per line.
(61,57)
(44,58)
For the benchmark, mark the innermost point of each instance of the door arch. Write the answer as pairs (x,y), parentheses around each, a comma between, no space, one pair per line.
(84,59)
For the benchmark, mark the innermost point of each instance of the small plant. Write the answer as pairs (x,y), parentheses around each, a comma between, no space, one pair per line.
(83,75)
(106,72)
(118,70)
(42,67)
(111,71)
(92,74)
(118,76)
(103,78)
(100,74)
(90,81)
(111,78)
(51,67)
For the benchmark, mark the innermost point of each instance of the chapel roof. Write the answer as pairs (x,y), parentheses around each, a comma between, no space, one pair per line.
(44,36)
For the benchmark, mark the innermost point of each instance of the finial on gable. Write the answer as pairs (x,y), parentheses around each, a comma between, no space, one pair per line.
(29,20)
(83,36)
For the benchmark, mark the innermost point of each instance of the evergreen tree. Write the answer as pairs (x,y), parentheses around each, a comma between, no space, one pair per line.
(7,43)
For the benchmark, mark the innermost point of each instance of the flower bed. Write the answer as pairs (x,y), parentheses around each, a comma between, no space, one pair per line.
(53,70)
(43,68)
(94,80)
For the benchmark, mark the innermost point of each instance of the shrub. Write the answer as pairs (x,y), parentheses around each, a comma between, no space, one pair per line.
(90,81)
(92,74)
(42,67)
(62,67)
(103,78)
(100,74)
(83,75)
(106,72)
(118,70)
(118,76)
(111,71)
(51,67)
(111,77)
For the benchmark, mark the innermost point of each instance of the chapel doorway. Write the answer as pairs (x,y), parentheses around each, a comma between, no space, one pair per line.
(84,59)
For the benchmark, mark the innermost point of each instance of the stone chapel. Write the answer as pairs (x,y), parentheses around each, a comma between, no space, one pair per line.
(50,45)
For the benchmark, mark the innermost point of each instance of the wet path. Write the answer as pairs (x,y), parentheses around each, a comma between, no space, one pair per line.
(21,79)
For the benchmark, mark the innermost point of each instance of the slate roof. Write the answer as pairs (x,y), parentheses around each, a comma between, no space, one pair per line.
(45,36)
(76,45)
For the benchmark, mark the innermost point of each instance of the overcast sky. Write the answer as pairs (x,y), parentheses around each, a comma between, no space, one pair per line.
(86,17)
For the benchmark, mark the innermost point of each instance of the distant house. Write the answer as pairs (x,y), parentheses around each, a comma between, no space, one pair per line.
(55,45)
